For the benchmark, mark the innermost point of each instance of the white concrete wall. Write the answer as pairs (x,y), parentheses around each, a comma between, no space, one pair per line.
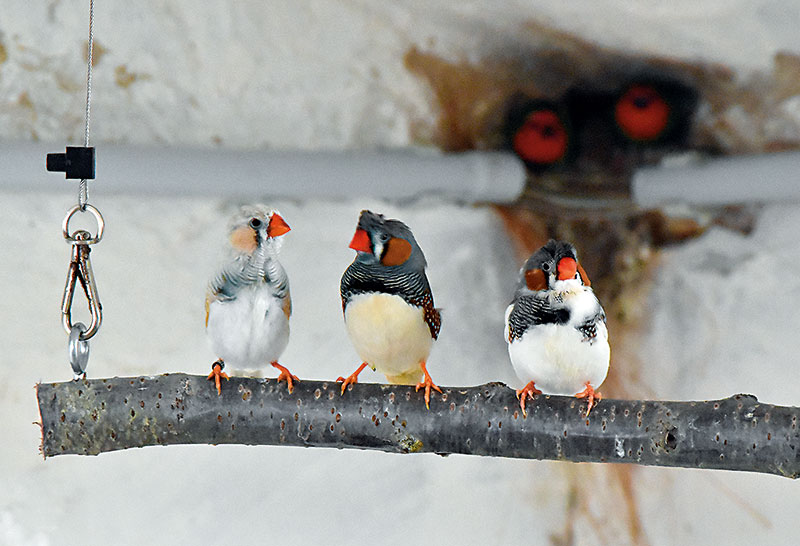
(329,74)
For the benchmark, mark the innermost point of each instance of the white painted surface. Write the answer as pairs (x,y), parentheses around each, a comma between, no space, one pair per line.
(329,75)
(723,322)
(322,75)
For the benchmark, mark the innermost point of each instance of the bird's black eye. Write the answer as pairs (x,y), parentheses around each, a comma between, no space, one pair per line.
(255,223)
(383,237)
(546,267)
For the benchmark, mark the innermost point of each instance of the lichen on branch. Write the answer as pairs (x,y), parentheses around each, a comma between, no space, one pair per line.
(89,417)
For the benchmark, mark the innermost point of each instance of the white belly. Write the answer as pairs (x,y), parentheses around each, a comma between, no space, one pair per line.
(558,360)
(249,331)
(388,333)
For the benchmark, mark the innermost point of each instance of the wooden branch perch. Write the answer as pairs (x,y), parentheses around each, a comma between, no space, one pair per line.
(738,433)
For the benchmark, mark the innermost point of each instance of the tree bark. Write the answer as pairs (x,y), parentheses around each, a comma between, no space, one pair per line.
(89,417)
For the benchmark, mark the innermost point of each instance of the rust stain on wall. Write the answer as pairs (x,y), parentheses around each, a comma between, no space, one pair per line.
(25,102)
(124,78)
(469,98)
(98,52)
(736,115)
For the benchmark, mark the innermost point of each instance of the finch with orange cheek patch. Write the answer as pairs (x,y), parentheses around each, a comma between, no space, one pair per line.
(556,328)
(388,304)
(248,304)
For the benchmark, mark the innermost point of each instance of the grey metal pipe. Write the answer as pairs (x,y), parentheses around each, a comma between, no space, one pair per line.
(398,174)
(745,179)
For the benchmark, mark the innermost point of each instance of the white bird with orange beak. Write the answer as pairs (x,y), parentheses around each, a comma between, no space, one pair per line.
(556,328)
(248,303)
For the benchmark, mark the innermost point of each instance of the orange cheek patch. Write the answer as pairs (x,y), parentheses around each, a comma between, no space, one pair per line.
(397,251)
(244,239)
(535,279)
(584,276)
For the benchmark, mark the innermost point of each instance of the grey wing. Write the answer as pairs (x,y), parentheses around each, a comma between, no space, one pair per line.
(227,281)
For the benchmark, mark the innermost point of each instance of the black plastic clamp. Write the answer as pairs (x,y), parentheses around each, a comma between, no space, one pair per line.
(77,163)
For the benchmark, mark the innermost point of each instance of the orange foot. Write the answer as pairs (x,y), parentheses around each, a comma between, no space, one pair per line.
(217,374)
(286,375)
(427,382)
(352,378)
(524,393)
(591,395)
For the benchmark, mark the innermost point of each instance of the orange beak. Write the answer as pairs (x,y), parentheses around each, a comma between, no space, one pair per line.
(567,267)
(360,241)
(277,226)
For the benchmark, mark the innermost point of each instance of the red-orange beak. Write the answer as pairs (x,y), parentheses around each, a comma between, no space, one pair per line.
(567,267)
(277,226)
(361,242)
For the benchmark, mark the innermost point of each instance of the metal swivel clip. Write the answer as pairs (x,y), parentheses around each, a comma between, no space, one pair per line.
(80,271)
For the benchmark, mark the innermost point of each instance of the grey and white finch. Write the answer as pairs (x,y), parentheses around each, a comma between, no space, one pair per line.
(556,328)
(387,303)
(248,304)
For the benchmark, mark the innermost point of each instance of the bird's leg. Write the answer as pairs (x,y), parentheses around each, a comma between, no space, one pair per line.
(352,378)
(427,382)
(592,397)
(524,393)
(217,374)
(285,374)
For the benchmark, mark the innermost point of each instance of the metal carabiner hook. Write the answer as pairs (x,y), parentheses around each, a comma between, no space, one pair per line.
(80,270)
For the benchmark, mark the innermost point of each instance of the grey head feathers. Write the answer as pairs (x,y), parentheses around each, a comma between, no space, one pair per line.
(546,260)
(253,254)
(539,301)
(253,220)
(381,230)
